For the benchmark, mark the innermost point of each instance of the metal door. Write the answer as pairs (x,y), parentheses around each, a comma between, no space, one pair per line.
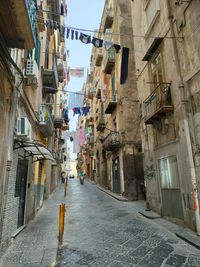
(116,176)
(20,189)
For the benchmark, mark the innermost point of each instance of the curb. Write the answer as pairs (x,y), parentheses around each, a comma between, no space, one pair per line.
(149,214)
(189,238)
(186,236)
(118,197)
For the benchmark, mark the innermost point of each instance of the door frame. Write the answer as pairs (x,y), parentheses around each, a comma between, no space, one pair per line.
(22,191)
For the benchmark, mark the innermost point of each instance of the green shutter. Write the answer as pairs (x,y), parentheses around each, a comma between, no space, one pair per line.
(37,51)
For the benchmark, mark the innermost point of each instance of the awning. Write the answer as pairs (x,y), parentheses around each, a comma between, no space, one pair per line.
(152,49)
(33,149)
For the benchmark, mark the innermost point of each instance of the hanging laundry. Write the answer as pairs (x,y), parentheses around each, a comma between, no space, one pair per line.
(61,10)
(77,72)
(55,25)
(75,100)
(63,32)
(97,42)
(82,137)
(107,44)
(68,32)
(77,111)
(76,147)
(51,24)
(124,65)
(65,115)
(84,38)
(72,34)
(47,23)
(85,110)
(117,48)
(76,35)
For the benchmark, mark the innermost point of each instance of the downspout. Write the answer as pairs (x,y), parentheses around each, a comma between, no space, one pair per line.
(182,87)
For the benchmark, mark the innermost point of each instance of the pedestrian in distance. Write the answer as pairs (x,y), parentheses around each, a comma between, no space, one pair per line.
(82,177)
(63,177)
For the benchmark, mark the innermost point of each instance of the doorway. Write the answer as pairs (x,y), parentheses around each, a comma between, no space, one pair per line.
(116,175)
(20,189)
(170,188)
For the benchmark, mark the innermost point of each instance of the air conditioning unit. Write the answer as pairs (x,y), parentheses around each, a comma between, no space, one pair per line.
(31,72)
(23,128)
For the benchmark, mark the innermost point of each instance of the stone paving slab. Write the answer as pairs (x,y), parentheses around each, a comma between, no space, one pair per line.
(37,244)
(100,231)
(182,233)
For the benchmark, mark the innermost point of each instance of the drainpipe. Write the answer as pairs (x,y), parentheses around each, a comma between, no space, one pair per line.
(182,87)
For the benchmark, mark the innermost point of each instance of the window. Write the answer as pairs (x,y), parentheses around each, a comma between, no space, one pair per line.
(169,173)
(152,9)
(156,71)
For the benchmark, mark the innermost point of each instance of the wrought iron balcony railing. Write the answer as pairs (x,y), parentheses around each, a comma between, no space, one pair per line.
(112,141)
(50,78)
(45,120)
(159,102)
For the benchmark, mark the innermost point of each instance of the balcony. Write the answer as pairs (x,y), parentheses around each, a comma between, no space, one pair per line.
(112,141)
(157,104)
(110,106)
(45,120)
(60,70)
(54,8)
(99,57)
(109,19)
(109,60)
(18,23)
(50,78)
(58,121)
(101,125)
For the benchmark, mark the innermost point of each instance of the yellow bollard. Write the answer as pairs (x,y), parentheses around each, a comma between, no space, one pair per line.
(61,222)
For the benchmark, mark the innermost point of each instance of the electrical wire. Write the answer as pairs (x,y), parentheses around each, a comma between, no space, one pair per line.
(113,34)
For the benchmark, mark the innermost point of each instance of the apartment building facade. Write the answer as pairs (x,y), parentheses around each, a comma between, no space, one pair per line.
(32,72)
(166,42)
(113,155)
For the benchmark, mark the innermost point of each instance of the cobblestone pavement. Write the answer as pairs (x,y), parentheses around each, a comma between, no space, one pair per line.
(102,231)
(36,245)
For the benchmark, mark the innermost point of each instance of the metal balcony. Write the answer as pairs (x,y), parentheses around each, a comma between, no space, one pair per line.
(18,23)
(45,120)
(50,78)
(157,104)
(101,125)
(110,105)
(58,121)
(99,57)
(112,141)
(109,60)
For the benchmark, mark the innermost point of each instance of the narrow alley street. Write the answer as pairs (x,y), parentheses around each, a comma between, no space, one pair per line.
(99,231)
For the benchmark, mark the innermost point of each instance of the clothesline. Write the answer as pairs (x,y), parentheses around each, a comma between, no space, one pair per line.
(117,34)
